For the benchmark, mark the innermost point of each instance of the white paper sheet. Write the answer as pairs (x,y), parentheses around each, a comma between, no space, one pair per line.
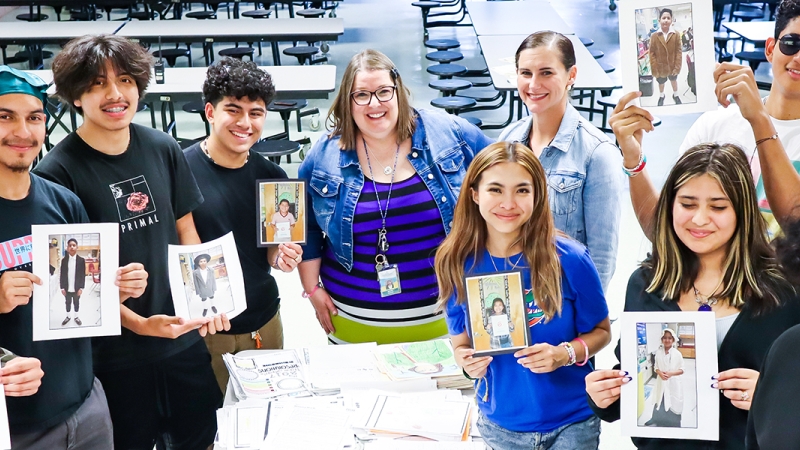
(99,300)
(289,428)
(392,444)
(327,367)
(5,434)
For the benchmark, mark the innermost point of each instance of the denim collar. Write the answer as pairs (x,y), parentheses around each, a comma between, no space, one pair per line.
(349,157)
(566,130)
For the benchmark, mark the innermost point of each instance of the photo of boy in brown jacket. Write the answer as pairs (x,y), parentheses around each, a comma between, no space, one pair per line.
(666,57)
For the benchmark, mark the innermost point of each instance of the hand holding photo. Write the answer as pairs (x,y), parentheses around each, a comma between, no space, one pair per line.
(74,299)
(496,308)
(667,53)
(281,211)
(671,357)
(206,279)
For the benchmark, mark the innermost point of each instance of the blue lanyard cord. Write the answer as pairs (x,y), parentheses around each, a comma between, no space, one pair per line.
(382,211)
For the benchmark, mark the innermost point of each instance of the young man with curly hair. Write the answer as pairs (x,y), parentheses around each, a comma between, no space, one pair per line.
(158,380)
(237,94)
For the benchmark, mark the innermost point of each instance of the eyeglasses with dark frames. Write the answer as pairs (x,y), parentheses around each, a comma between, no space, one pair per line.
(383,94)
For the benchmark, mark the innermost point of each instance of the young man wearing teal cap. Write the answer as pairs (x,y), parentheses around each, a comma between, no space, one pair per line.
(52,397)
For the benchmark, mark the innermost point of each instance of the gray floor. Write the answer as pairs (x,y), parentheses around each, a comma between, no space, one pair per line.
(394,27)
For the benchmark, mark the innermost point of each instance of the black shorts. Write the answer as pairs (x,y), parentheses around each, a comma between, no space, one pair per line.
(662,80)
(171,402)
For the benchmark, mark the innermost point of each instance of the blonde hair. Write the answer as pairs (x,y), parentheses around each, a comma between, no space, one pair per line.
(340,117)
(468,236)
(750,271)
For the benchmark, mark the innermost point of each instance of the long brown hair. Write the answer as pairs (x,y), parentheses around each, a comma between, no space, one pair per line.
(468,236)
(750,271)
(340,116)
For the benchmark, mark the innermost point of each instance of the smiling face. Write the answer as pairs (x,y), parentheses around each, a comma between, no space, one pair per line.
(504,198)
(542,79)
(703,217)
(498,306)
(284,207)
(785,68)
(665,21)
(377,120)
(22,130)
(236,124)
(110,102)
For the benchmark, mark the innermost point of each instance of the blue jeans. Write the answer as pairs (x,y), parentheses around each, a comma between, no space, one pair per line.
(574,436)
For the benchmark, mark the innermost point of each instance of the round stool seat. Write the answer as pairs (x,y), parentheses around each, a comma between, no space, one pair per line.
(83,16)
(274,149)
(142,15)
(656,121)
(449,87)
(258,13)
(32,17)
(753,58)
(747,16)
(607,68)
(311,13)
(447,70)
(586,41)
(454,104)
(238,52)
(442,44)
(195,107)
(287,105)
(597,54)
(172,54)
(482,94)
(426,4)
(721,36)
(609,102)
(302,53)
(474,120)
(25,55)
(444,56)
(201,15)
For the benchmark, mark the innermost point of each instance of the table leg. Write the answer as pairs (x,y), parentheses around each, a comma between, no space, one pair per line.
(276,53)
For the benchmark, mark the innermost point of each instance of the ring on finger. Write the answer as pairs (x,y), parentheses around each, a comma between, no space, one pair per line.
(745,396)
(299,258)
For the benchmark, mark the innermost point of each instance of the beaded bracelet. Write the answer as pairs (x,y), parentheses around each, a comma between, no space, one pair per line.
(585,352)
(639,166)
(570,353)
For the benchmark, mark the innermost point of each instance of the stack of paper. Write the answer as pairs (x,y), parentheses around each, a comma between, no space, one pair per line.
(427,359)
(414,415)
(268,375)
(327,367)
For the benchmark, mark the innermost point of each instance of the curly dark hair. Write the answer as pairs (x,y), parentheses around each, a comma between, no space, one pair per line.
(788,251)
(786,11)
(230,77)
(84,59)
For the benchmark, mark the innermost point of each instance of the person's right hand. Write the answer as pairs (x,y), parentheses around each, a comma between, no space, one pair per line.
(21,376)
(64,292)
(16,288)
(170,327)
(663,375)
(324,308)
(475,367)
(629,124)
(603,386)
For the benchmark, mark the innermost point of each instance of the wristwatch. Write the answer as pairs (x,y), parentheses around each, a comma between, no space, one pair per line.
(5,356)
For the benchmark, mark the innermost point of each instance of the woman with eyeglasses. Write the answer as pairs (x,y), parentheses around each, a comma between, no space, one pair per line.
(382,187)
(582,165)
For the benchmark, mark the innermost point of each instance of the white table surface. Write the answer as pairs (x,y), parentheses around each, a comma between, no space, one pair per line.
(223,29)
(46,32)
(518,17)
(752,31)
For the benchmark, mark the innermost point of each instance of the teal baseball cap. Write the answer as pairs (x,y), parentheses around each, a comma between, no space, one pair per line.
(15,81)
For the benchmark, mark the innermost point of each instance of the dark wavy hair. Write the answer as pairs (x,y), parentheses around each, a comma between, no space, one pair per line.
(786,11)
(84,59)
(230,77)
(788,251)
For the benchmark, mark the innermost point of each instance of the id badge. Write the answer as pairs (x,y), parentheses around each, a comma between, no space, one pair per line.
(389,280)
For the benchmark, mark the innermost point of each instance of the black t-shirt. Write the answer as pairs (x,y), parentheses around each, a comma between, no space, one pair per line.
(231,205)
(67,363)
(145,190)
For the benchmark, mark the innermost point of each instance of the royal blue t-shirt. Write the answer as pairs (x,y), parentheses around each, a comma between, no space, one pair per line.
(518,399)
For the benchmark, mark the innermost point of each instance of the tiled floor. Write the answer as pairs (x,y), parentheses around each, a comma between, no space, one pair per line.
(394,27)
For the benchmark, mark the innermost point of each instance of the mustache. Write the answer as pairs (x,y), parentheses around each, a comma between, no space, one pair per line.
(23,143)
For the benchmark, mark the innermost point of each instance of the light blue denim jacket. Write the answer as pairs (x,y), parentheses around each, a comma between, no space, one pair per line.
(584,185)
(442,147)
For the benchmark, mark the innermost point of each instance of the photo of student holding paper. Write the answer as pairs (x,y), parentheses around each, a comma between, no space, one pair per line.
(710,253)
(502,222)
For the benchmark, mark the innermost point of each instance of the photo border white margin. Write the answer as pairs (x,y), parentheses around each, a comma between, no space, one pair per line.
(5,433)
(232,265)
(109,291)
(705,57)
(705,364)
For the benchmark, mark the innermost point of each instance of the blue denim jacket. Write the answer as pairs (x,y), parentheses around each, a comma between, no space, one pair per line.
(442,147)
(584,185)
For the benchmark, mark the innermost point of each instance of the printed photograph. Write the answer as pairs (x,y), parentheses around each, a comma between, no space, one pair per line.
(206,284)
(281,212)
(496,313)
(667,381)
(74,281)
(665,52)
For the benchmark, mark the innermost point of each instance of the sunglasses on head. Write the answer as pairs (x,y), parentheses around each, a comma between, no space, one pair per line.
(789,44)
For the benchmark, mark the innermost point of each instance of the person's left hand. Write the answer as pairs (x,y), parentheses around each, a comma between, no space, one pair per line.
(738,81)
(21,377)
(132,281)
(80,292)
(738,385)
(542,358)
(289,256)
(217,323)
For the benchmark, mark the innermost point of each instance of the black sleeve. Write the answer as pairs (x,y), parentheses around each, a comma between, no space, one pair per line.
(52,168)
(186,196)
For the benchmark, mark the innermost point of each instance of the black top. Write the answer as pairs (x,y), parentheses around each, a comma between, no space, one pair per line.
(231,205)
(145,190)
(744,347)
(773,422)
(67,380)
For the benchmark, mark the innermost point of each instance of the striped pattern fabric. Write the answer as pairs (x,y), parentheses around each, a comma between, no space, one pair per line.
(414,231)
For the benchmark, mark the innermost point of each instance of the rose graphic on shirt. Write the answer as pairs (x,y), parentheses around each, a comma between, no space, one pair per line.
(137,201)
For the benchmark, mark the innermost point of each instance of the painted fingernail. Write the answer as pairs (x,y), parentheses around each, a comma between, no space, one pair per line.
(622,373)
(715,385)
(627,379)
(714,377)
